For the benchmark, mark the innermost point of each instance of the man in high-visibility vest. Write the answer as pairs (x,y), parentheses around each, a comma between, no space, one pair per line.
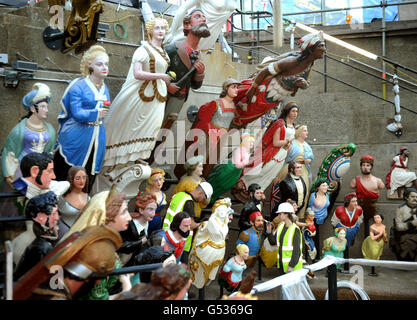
(184,201)
(288,240)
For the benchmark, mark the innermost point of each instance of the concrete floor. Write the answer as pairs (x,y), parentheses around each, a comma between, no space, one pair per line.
(389,284)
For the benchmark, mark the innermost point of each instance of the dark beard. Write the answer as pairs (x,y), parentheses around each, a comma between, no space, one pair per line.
(183,234)
(259,228)
(201,30)
(366,173)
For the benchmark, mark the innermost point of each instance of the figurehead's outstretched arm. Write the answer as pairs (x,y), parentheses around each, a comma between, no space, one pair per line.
(272,69)
(177,22)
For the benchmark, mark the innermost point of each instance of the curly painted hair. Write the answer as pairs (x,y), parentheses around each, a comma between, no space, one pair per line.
(44,203)
(89,56)
(142,201)
(113,208)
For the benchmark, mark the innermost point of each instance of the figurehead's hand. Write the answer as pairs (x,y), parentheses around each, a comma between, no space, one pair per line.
(199,66)
(173,88)
(251,92)
(301,83)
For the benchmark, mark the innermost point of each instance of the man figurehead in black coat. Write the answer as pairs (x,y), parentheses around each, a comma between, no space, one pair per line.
(253,204)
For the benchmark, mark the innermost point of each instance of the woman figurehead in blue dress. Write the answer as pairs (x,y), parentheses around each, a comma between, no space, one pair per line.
(81,134)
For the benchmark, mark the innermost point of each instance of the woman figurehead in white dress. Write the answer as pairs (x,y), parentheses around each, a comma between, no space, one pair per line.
(137,112)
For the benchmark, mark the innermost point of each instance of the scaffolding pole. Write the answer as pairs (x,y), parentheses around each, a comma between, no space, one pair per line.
(349,8)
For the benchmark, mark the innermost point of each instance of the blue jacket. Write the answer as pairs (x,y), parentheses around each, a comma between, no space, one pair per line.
(76,137)
(252,239)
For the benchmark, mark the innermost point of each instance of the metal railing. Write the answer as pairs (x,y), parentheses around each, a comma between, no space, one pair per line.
(326,75)
(261,49)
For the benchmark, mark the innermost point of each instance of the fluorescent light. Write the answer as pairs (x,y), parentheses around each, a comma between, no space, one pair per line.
(339,42)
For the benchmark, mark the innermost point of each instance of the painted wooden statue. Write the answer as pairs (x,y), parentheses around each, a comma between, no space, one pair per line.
(214,119)
(373,245)
(81,135)
(309,232)
(74,200)
(194,169)
(333,167)
(216,13)
(277,80)
(349,216)
(252,237)
(400,175)
(209,246)
(367,188)
(403,235)
(140,104)
(155,183)
(43,210)
(32,134)
(225,175)
(335,246)
(319,205)
(230,276)
(301,152)
(269,158)
(105,208)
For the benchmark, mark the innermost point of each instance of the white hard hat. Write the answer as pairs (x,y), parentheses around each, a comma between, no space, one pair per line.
(285,207)
(207,188)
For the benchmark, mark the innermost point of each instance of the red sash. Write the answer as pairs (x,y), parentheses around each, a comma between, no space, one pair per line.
(179,246)
(362,192)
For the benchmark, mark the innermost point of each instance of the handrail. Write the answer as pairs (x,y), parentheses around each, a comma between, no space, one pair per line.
(132,269)
(395,63)
(378,70)
(350,8)
(364,91)
(14,219)
(257,47)
(240,29)
(368,73)
(10,194)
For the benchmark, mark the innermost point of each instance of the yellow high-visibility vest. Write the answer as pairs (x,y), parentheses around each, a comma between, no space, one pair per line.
(177,205)
(287,246)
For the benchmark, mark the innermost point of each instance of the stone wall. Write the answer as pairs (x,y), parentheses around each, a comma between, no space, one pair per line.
(339,115)
(343,114)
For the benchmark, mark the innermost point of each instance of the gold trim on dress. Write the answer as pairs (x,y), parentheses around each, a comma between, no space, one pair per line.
(142,88)
(212,244)
(207,267)
(148,139)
